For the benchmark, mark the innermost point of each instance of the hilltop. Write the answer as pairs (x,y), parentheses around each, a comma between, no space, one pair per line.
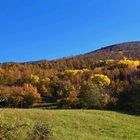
(130,50)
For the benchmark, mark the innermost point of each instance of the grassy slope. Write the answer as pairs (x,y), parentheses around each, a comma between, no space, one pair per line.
(76,124)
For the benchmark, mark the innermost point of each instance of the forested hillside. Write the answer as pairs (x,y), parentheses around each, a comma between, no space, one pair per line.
(98,80)
(130,50)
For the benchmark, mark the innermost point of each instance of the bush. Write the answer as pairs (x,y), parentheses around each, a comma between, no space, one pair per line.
(41,131)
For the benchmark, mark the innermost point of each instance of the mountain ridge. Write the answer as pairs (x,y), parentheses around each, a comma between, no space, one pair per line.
(130,50)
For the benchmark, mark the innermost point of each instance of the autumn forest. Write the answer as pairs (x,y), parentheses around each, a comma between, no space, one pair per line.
(72,83)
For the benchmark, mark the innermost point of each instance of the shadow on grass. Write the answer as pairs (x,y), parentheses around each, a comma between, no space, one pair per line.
(47,106)
(128,112)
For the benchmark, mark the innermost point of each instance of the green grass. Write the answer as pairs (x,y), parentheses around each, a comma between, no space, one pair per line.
(74,124)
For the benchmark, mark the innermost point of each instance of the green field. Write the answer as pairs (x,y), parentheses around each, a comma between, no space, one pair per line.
(72,124)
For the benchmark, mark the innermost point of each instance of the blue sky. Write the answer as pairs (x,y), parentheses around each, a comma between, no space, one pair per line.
(50,29)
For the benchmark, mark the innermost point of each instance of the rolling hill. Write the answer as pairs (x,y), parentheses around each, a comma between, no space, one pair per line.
(70,124)
(129,50)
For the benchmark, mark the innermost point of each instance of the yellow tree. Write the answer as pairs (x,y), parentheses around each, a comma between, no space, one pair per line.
(100,80)
(33,79)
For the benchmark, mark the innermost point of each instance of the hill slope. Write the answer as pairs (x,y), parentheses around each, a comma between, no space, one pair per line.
(129,50)
(74,124)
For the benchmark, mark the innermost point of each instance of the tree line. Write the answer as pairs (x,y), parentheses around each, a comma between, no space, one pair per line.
(72,84)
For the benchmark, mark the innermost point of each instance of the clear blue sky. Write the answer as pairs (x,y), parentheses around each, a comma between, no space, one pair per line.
(50,29)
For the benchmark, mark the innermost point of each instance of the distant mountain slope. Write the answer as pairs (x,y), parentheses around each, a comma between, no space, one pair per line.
(129,50)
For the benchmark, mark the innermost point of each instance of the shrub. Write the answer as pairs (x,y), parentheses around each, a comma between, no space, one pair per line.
(41,131)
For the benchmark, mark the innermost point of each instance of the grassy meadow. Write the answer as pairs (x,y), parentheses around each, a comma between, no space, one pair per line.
(71,124)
